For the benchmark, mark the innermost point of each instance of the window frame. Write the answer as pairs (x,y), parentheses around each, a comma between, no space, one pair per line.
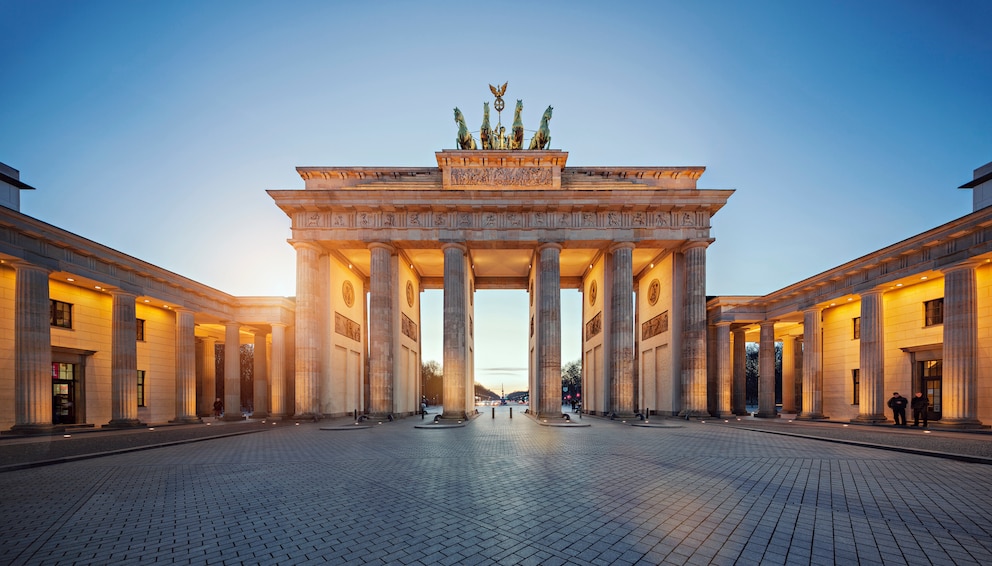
(60,314)
(933,312)
(141,388)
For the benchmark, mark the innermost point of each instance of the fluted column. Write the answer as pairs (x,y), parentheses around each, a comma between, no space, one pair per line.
(549,330)
(454,331)
(724,369)
(766,370)
(871,393)
(694,330)
(789,374)
(621,333)
(185,368)
(278,377)
(739,400)
(232,371)
(124,362)
(960,383)
(812,365)
(260,375)
(209,375)
(307,330)
(32,350)
(381,295)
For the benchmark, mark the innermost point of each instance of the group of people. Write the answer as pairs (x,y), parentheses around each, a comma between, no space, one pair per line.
(919,404)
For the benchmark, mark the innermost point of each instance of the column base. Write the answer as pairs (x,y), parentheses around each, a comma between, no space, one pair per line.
(766,415)
(957,424)
(33,429)
(869,419)
(124,423)
(811,417)
(454,415)
(694,414)
(187,420)
(260,415)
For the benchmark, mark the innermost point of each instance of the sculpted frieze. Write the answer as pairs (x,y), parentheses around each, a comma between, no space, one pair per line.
(502,176)
(499,220)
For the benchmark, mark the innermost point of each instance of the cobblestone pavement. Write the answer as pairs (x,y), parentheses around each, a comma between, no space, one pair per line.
(504,491)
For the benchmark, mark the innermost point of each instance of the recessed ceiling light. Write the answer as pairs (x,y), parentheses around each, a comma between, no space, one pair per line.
(924,278)
(70,279)
(98,288)
(898,284)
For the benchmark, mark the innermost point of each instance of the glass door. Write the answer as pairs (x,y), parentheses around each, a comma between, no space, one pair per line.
(931,376)
(63,393)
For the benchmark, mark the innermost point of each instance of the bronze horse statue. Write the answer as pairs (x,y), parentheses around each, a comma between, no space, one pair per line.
(464,139)
(542,137)
(517,132)
(486,132)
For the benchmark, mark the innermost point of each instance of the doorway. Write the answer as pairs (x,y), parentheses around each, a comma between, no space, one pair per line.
(64,389)
(930,378)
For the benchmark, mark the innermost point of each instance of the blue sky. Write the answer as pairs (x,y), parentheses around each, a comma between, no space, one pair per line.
(156,127)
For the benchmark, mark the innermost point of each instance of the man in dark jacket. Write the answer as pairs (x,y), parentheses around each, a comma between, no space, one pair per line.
(920,404)
(898,405)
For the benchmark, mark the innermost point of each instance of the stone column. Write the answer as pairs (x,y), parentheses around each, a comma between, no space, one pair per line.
(739,400)
(307,330)
(454,331)
(232,371)
(960,384)
(32,351)
(549,330)
(694,330)
(724,369)
(260,369)
(124,362)
(789,375)
(185,368)
(812,365)
(766,370)
(871,393)
(209,375)
(381,295)
(278,377)
(621,330)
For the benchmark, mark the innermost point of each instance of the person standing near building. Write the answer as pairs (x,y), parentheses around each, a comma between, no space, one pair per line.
(898,405)
(920,404)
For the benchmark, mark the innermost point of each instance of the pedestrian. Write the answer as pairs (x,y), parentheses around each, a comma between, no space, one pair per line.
(218,408)
(920,405)
(898,405)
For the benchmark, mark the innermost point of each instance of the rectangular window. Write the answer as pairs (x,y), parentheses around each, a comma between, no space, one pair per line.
(933,312)
(141,388)
(856,379)
(60,314)
(141,330)
(857,328)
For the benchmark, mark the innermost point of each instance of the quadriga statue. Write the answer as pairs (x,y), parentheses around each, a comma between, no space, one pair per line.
(464,139)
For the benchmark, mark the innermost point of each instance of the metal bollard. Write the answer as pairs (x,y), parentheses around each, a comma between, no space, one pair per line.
(494,412)
(511,412)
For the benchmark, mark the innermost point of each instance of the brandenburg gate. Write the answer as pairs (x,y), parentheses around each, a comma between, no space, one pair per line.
(632,239)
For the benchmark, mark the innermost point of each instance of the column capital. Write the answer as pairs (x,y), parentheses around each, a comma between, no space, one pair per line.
(970,264)
(872,291)
(621,246)
(690,244)
(456,245)
(279,324)
(723,323)
(382,245)
(306,245)
(547,245)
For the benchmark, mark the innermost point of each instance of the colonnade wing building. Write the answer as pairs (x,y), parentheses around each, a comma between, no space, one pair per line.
(915,316)
(90,336)
(632,239)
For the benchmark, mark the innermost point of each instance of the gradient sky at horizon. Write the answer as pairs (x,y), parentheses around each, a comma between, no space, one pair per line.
(156,127)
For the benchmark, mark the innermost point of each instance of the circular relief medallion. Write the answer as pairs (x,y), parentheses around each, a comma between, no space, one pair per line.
(654,291)
(348,293)
(409,293)
(592,294)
